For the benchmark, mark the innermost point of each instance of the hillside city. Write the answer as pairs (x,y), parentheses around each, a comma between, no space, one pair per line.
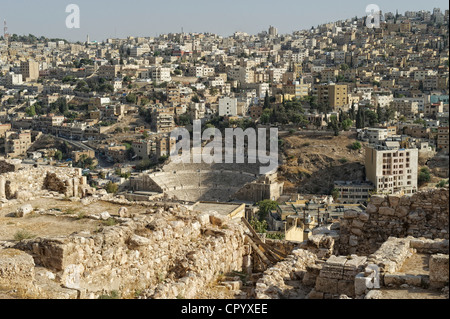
(363,134)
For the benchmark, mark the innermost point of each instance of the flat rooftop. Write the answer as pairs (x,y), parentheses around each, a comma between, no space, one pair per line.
(221,208)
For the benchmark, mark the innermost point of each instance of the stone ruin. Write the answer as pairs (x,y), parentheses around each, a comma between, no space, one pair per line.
(170,251)
(25,182)
(369,259)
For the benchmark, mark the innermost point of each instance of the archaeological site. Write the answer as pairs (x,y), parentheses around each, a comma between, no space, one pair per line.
(62,239)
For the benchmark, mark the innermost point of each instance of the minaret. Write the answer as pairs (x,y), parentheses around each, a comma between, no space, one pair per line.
(5,32)
(87,39)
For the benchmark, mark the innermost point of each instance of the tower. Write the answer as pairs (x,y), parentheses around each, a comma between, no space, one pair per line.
(5,32)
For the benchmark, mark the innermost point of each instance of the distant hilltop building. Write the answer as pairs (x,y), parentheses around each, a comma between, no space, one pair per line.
(273,31)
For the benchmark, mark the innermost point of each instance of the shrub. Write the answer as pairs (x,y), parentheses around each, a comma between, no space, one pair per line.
(110,222)
(112,187)
(23,234)
(424,176)
(356,146)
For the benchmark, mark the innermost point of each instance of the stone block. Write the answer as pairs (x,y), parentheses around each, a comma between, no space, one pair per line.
(356,231)
(377,200)
(371,208)
(357,223)
(327,285)
(24,210)
(203,219)
(314,294)
(393,200)
(346,287)
(353,241)
(105,216)
(439,270)
(386,211)
(309,279)
(361,284)
(402,211)
(364,217)
(350,213)
(373,294)
(16,270)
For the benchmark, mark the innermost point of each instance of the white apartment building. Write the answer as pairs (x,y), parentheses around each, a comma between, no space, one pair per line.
(217,81)
(160,74)
(201,71)
(392,170)
(13,79)
(383,100)
(241,74)
(374,135)
(228,106)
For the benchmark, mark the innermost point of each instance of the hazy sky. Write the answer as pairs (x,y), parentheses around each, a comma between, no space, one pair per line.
(102,19)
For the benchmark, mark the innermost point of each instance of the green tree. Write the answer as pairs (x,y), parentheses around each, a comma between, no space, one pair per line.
(112,188)
(58,155)
(131,98)
(31,111)
(259,226)
(356,146)
(265,207)
(334,125)
(424,176)
(266,101)
(346,124)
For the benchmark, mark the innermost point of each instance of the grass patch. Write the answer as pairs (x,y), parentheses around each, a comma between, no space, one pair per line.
(23,234)
(70,211)
(306,144)
(110,222)
(113,295)
(81,215)
(343,160)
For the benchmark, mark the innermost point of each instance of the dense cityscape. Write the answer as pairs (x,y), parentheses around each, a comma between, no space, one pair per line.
(93,206)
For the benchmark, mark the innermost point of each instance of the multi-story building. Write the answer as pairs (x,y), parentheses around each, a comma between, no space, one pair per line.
(228,106)
(353,192)
(406,107)
(17,143)
(160,74)
(442,139)
(392,169)
(29,70)
(109,72)
(143,148)
(335,95)
(164,146)
(163,121)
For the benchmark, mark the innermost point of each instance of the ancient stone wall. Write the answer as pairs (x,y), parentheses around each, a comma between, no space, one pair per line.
(274,283)
(30,181)
(424,214)
(161,255)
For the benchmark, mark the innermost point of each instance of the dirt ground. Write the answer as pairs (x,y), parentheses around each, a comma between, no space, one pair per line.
(61,225)
(313,162)
(417,264)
